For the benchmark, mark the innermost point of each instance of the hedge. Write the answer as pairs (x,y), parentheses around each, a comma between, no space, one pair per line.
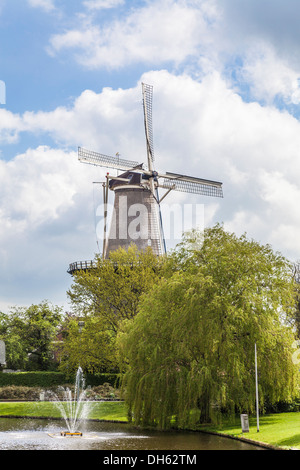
(99,379)
(50,379)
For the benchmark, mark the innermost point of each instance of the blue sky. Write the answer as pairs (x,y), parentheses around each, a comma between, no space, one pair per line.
(226,78)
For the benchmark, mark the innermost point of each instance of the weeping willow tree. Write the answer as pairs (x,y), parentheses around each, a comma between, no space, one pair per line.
(190,350)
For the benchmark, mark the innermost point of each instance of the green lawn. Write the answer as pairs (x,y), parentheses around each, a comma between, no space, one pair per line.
(110,411)
(280,430)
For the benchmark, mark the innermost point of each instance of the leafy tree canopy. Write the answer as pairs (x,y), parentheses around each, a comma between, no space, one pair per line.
(30,331)
(112,290)
(190,349)
(104,297)
(92,346)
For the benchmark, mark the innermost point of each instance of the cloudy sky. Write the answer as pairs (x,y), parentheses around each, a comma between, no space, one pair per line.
(226,78)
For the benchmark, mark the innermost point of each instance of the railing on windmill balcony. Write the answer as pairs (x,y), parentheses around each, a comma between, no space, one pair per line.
(81,266)
(85,265)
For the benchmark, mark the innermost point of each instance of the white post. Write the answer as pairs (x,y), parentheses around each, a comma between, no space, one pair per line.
(256,387)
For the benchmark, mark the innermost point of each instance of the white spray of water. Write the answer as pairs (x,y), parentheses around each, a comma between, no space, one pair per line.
(74,408)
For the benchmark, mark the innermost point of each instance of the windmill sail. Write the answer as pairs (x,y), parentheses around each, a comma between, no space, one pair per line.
(190,184)
(147,103)
(94,158)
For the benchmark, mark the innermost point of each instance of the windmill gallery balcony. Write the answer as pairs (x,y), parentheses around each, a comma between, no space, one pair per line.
(81,266)
(87,265)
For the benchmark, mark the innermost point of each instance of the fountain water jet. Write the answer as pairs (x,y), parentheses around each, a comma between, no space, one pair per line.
(74,408)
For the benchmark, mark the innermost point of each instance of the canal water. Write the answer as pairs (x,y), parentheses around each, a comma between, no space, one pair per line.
(35,434)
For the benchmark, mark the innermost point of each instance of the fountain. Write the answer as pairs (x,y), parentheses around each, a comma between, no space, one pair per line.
(74,407)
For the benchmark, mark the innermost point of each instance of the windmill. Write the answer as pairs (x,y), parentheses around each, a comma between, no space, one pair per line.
(136,192)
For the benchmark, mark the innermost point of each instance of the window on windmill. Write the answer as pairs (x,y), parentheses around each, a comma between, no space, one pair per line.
(134,178)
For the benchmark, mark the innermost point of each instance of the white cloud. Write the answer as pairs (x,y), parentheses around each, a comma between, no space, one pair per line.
(199,36)
(47,5)
(88,122)
(271,21)
(10,124)
(203,36)
(158,32)
(46,221)
(102,4)
(270,76)
(37,186)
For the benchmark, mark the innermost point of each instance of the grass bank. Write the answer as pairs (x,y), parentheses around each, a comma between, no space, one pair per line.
(108,411)
(278,430)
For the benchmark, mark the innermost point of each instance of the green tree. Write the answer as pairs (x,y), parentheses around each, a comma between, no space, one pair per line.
(16,354)
(29,333)
(92,348)
(190,350)
(106,296)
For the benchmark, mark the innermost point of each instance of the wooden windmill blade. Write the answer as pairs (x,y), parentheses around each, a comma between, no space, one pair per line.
(190,184)
(99,159)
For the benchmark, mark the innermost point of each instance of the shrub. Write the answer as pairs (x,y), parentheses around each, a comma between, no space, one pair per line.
(14,392)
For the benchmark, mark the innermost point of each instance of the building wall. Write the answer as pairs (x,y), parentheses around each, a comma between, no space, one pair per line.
(135,220)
